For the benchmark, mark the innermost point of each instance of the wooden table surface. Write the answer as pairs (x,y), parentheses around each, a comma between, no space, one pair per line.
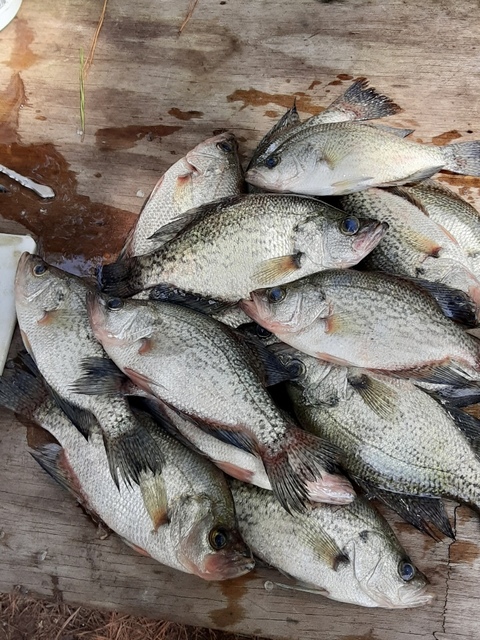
(151,95)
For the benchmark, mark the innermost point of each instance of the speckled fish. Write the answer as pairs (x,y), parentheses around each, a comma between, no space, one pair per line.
(239,244)
(415,245)
(344,157)
(52,314)
(452,212)
(371,320)
(347,553)
(398,442)
(239,463)
(210,171)
(195,530)
(358,102)
(197,366)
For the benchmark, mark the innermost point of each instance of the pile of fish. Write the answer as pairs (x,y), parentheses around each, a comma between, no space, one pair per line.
(255,367)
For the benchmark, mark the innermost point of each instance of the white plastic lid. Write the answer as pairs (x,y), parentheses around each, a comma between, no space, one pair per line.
(8,10)
(11,248)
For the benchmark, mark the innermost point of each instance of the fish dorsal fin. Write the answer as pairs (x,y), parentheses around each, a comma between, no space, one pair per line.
(454,303)
(401,192)
(469,425)
(395,131)
(175,227)
(379,397)
(169,293)
(420,511)
(288,120)
(154,494)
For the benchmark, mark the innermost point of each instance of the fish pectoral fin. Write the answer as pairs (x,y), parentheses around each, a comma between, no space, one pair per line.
(324,547)
(271,271)
(154,494)
(170,293)
(299,585)
(101,376)
(418,176)
(377,395)
(420,511)
(140,379)
(267,364)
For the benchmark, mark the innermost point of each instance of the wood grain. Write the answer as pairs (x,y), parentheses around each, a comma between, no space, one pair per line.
(151,95)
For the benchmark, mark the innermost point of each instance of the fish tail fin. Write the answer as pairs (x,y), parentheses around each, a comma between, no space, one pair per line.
(463,157)
(132,453)
(22,392)
(366,102)
(296,462)
(122,278)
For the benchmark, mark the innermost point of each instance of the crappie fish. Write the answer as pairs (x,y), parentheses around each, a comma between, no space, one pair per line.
(239,463)
(415,245)
(344,157)
(452,212)
(371,320)
(52,315)
(358,102)
(397,442)
(210,171)
(195,530)
(347,553)
(197,366)
(239,244)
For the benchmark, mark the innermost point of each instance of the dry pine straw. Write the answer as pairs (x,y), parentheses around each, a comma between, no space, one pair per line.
(25,618)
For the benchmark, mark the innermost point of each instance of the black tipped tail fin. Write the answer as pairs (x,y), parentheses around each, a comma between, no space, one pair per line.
(298,461)
(463,158)
(133,453)
(121,278)
(362,102)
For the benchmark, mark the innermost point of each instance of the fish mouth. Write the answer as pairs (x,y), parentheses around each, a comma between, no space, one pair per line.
(256,309)
(225,567)
(97,314)
(408,598)
(369,236)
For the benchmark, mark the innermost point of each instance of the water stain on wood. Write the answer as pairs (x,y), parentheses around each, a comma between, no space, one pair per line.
(463,551)
(184,115)
(314,84)
(12,98)
(270,113)
(344,76)
(76,233)
(233,612)
(116,138)
(255,98)
(445,138)
(22,57)
(460,182)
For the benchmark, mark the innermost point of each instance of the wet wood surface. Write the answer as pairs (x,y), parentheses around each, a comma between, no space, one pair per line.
(151,95)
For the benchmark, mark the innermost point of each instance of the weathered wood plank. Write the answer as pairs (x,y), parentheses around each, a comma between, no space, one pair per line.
(237,65)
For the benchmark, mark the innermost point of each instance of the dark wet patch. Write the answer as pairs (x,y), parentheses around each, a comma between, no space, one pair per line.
(314,84)
(184,115)
(445,138)
(233,612)
(463,551)
(115,138)
(255,98)
(344,76)
(272,114)
(12,99)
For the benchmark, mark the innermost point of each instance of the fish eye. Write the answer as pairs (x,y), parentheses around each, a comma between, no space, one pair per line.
(218,538)
(262,332)
(295,368)
(350,225)
(276,295)
(406,571)
(272,161)
(225,146)
(115,303)
(39,269)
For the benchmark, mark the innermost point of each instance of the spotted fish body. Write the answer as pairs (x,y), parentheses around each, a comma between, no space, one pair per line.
(345,157)
(345,553)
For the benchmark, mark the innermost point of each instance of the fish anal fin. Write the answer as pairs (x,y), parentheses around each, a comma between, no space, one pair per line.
(343,187)
(234,471)
(426,513)
(271,271)
(141,380)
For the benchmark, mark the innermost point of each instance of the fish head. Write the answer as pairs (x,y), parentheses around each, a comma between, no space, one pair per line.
(286,309)
(42,290)
(206,543)
(344,240)
(117,322)
(217,162)
(380,571)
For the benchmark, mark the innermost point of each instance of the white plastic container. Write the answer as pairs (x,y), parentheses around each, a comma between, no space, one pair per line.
(11,248)
(8,10)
